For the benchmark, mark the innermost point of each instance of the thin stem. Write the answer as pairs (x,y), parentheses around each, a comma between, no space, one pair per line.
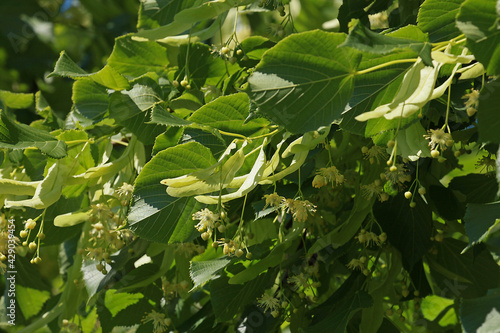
(387,64)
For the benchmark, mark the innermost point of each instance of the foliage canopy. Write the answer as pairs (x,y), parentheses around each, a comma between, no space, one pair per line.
(251,165)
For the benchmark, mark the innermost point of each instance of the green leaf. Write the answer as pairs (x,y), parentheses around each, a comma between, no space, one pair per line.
(437,18)
(274,258)
(15,100)
(19,136)
(477,188)
(363,39)
(228,113)
(154,215)
(433,306)
(305,81)
(117,301)
(154,13)
(185,19)
(478,20)
(481,314)
(480,219)
(161,116)
(30,300)
(229,299)
(216,144)
(203,271)
(131,108)
(167,139)
(133,58)
(488,120)
(408,229)
(204,68)
(90,99)
(337,321)
(344,232)
(107,77)
(473,274)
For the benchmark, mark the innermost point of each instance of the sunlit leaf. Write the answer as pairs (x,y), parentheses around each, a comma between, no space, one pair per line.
(305,81)
(14,135)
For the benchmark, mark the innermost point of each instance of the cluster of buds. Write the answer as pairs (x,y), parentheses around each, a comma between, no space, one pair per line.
(106,235)
(231,247)
(374,189)
(327,175)
(171,290)
(370,238)
(438,140)
(160,323)
(359,264)
(472,102)
(208,221)
(374,154)
(69,327)
(300,209)
(188,250)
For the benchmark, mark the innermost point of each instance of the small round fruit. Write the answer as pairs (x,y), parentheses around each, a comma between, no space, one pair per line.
(391,144)
(188,87)
(239,252)
(30,224)
(25,243)
(239,52)
(99,267)
(32,246)
(441,159)
(41,236)
(382,237)
(225,50)
(413,204)
(408,195)
(205,236)
(362,259)
(405,293)
(65,322)
(422,190)
(366,272)
(457,153)
(416,293)
(384,196)
(215,245)
(184,83)
(249,255)
(23,234)
(438,237)
(37,260)
(435,153)
(393,168)
(364,149)
(175,83)
(284,304)
(221,228)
